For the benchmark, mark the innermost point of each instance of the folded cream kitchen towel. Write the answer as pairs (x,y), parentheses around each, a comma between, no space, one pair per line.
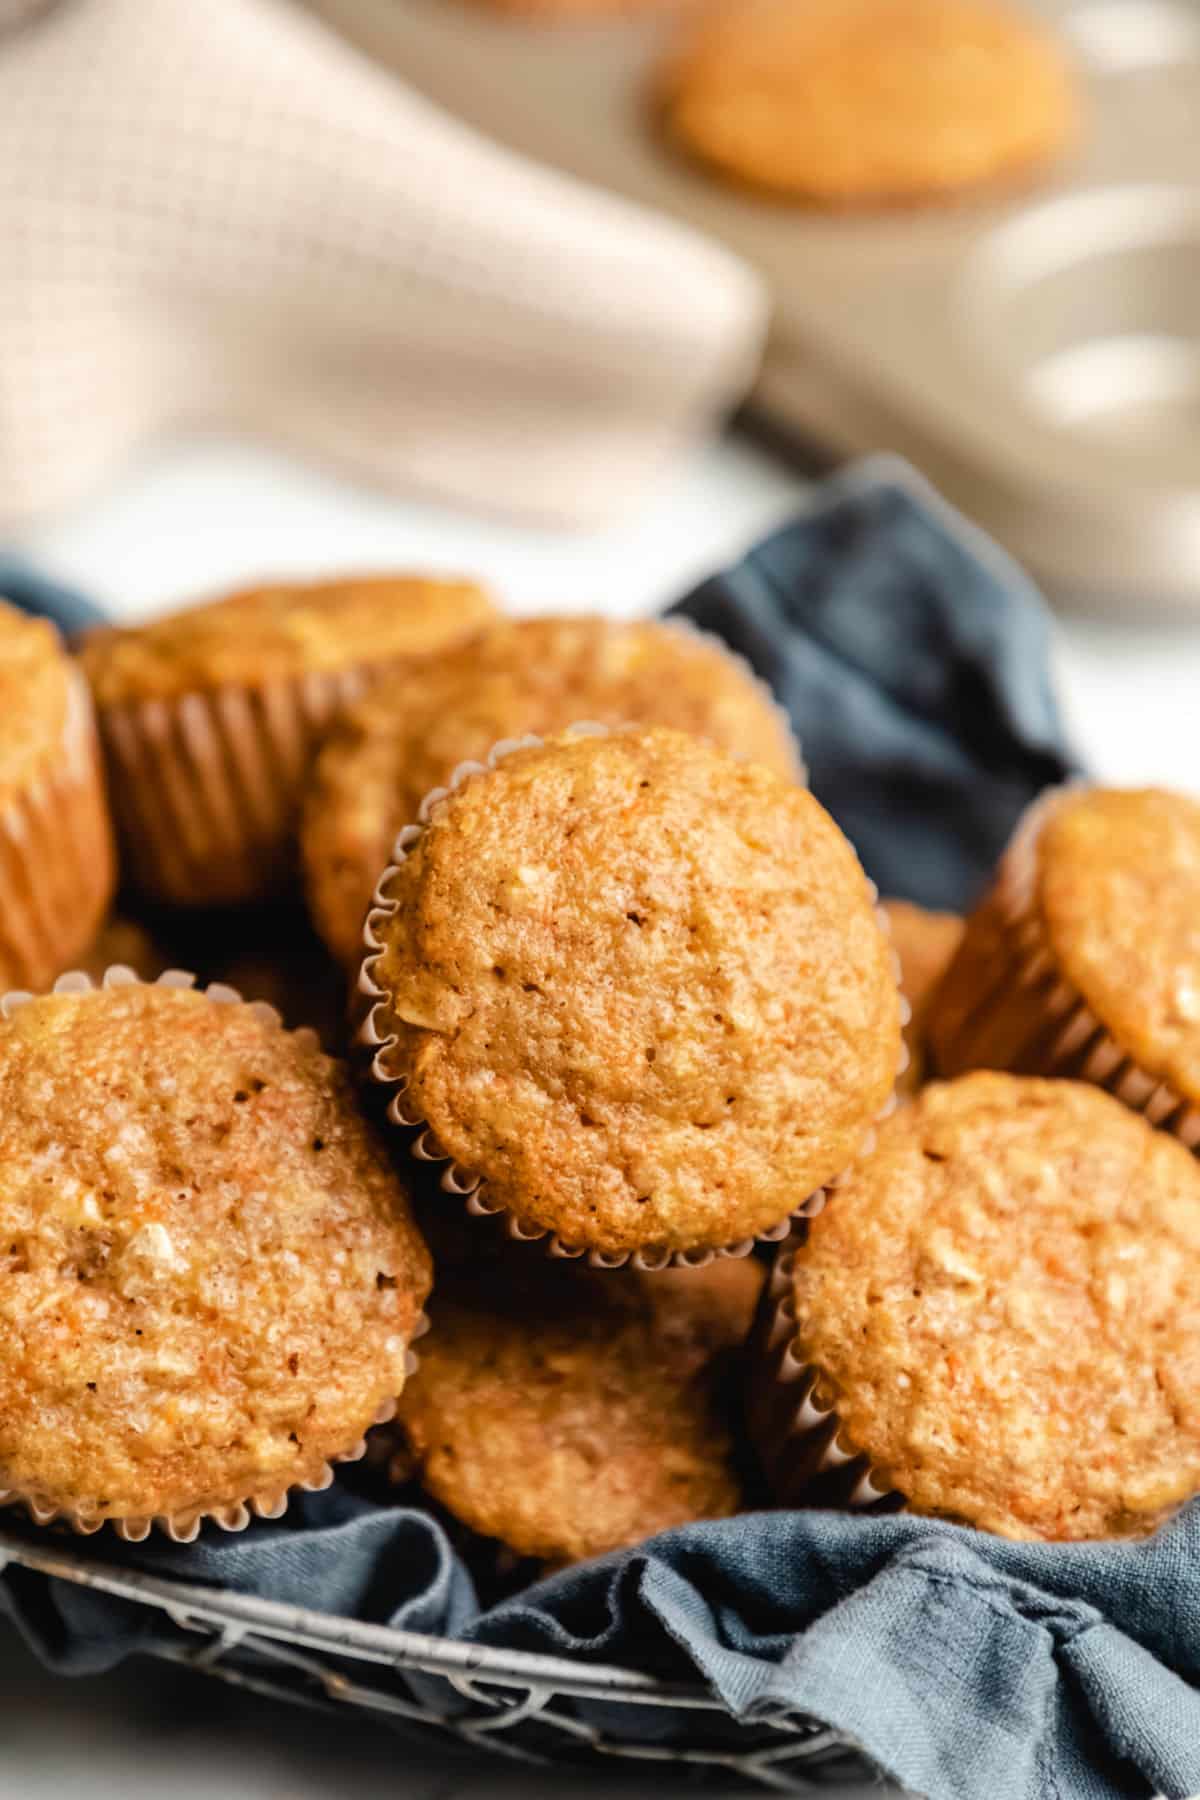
(221,215)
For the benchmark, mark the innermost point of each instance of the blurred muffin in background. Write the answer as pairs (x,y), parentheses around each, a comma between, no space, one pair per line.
(209,718)
(57,867)
(564,1413)
(845,103)
(523,675)
(924,943)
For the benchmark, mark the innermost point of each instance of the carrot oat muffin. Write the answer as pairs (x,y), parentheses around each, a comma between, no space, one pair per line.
(1001,1305)
(57,867)
(567,1415)
(520,675)
(1084,959)
(862,102)
(924,943)
(636,988)
(209,718)
(209,1275)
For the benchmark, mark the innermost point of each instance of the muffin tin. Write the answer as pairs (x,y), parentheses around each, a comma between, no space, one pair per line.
(1037,354)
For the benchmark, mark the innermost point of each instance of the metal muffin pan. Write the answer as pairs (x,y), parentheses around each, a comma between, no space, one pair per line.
(1036,353)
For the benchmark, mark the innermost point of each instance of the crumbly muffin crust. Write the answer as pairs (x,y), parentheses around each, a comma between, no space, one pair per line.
(34,690)
(208,1270)
(1002,1304)
(640,988)
(521,675)
(265,634)
(852,102)
(1119,896)
(924,942)
(567,1415)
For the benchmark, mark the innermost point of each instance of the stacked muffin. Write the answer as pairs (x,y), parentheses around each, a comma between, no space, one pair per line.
(621,1012)
(997,1323)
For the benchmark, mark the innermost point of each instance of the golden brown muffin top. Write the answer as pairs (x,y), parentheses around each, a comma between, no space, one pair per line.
(568,1414)
(34,692)
(1002,1300)
(521,675)
(851,102)
(278,633)
(924,942)
(208,1269)
(640,988)
(1119,894)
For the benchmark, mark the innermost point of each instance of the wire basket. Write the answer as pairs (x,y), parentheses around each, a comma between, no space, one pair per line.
(512,1703)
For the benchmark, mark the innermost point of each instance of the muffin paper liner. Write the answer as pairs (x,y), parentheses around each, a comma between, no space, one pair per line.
(373,1037)
(206,786)
(1030,1018)
(57,862)
(183,1527)
(805,1451)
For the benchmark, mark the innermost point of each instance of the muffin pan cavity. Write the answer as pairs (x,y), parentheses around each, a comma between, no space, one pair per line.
(1119,36)
(1089,307)
(906,330)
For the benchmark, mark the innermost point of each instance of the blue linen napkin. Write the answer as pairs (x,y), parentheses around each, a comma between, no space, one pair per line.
(913,658)
(34,592)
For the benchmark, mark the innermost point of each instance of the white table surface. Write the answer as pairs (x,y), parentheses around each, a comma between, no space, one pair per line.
(197,516)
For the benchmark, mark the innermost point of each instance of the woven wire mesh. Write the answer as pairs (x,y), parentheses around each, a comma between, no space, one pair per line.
(539,1709)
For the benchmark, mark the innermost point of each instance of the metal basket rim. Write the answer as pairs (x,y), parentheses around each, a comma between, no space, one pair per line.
(233,1614)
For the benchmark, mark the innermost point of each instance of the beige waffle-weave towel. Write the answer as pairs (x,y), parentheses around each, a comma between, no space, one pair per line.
(219,214)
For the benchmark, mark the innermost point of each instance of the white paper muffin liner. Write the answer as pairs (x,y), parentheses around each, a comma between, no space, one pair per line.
(57,861)
(373,1037)
(800,1443)
(1030,1018)
(206,786)
(183,1526)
